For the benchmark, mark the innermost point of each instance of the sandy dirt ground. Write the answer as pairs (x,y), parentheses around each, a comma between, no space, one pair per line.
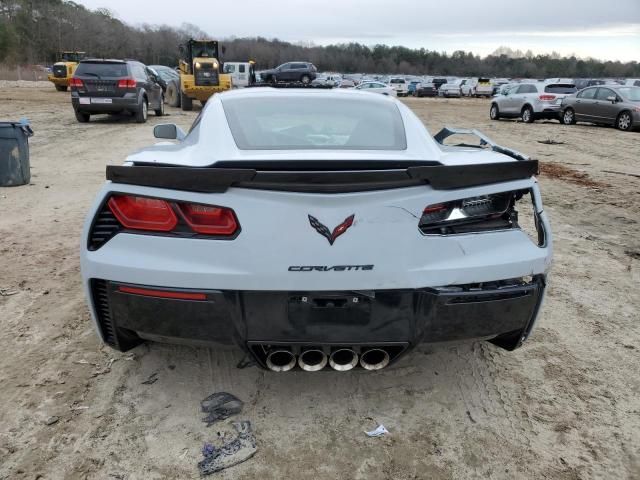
(565,406)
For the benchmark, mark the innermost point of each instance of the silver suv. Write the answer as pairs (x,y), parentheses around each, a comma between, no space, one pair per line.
(531,101)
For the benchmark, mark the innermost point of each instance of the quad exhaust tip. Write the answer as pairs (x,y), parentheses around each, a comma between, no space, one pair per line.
(374,359)
(281,360)
(343,359)
(312,360)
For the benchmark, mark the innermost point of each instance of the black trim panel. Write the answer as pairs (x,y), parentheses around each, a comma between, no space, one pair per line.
(218,180)
(503,311)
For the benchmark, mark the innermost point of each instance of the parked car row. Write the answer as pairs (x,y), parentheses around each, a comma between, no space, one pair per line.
(603,104)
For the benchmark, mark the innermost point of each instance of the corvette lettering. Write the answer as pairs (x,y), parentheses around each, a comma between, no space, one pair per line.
(324,268)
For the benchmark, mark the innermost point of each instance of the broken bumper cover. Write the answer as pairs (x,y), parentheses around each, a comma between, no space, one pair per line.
(503,312)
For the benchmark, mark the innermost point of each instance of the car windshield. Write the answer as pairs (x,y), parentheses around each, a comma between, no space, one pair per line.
(631,93)
(102,69)
(302,123)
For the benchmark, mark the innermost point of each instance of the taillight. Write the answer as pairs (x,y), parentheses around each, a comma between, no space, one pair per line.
(486,212)
(209,220)
(141,213)
(76,82)
(546,98)
(180,218)
(127,83)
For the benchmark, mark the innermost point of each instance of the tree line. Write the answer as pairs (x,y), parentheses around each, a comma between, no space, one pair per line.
(35,31)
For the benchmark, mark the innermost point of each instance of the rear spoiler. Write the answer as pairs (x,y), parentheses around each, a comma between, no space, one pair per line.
(485,141)
(219,179)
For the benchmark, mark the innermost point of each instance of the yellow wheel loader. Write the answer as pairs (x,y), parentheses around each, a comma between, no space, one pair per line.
(64,69)
(200,74)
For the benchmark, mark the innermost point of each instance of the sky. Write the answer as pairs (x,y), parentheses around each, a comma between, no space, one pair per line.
(606,30)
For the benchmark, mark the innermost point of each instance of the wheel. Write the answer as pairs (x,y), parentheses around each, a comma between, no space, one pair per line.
(61,88)
(527,114)
(142,112)
(82,117)
(569,117)
(273,79)
(624,121)
(173,95)
(494,112)
(305,79)
(186,102)
(160,111)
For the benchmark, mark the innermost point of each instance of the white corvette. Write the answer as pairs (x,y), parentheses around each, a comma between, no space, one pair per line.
(317,229)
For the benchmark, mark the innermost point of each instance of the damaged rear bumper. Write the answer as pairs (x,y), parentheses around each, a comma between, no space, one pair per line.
(503,312)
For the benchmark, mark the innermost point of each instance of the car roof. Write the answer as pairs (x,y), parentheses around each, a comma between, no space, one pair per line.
(211,140)
(105,60)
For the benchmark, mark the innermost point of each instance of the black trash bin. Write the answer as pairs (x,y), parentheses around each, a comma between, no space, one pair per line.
(14,153)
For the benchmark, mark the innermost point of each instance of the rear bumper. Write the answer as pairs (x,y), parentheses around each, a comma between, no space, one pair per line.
(503,312)
(548,111)
(127,103)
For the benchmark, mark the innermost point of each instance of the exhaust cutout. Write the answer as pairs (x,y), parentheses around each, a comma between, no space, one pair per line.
(312,360)
(281,360)
(343,359)
(374,359)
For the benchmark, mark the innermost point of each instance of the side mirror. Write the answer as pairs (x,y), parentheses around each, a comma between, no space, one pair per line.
(168,131)
(612,99)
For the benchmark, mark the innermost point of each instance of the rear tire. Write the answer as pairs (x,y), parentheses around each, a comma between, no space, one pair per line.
(173,95)
(82,117)
(61,88)
(569,117)
(186,102)
(494,112)
(160,111)
(142,112)
(527,114)
(305,79)
(624,121)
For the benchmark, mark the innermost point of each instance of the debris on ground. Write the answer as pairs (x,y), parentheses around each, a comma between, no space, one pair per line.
(153,378)
(220,405)
(51,420)
(378,432)
(5,292)
(550,142)
(246,362)
(232,453)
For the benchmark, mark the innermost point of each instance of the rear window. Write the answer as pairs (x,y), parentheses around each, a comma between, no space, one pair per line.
(308,123)
(102,69)
(560,88)
(632,93)
(397,80)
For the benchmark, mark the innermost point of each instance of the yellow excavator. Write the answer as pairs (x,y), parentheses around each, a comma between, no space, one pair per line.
(200,70)
(64,69)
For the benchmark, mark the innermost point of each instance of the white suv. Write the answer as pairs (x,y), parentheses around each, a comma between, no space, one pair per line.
(531,101)
(400,85)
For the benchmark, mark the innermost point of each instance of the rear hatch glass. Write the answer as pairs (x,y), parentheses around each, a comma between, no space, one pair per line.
(102,69)
(101,78)
(560,88)
(310,123)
